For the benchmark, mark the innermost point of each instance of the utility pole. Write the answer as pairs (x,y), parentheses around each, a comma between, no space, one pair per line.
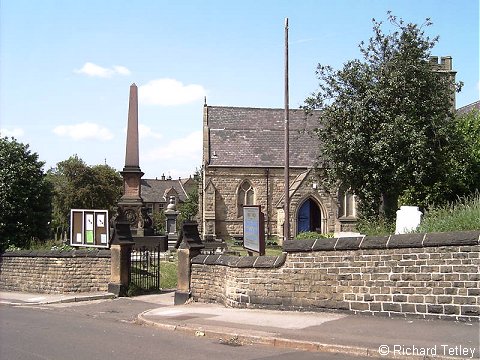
(286,230)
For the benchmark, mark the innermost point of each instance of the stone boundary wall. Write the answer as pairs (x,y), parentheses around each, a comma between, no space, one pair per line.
(434,275)
(55,271)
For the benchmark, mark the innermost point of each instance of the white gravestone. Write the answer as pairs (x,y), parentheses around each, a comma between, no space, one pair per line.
(408,219)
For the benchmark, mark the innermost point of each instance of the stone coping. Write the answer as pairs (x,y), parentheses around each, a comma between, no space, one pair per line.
(256,262)
(82,253)
(414,240)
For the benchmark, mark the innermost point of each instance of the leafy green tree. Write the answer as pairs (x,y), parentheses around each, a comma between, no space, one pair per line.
(466,165)
(159,220)
(462,175)
(25,196)
(79,186)
(468,125)
(385,123)
(189,208)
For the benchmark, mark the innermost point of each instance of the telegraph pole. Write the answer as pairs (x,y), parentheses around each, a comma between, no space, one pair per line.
(286,230)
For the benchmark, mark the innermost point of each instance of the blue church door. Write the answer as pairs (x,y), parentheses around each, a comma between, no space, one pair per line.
(309,217)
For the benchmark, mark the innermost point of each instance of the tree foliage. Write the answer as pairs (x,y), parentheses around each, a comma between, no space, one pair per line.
(189,209)
(467,166)
(385,123)
(158,221)
(25,196)
(79,186)
(462,175)
(468,125)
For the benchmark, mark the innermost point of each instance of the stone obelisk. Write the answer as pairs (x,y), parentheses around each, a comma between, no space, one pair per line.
(132,163)
(131,203)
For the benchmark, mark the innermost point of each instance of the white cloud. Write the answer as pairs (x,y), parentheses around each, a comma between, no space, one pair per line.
(122,70)
(169,92)
(15,132)
(84,131)
(145,131)
(91,69)
(186,148)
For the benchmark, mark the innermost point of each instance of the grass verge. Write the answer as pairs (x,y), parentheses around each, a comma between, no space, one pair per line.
(462,215)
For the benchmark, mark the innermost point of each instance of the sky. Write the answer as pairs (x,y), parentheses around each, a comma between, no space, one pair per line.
(66,66)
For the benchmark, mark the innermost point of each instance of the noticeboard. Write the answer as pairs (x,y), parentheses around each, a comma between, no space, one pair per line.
(89,228)
(253,229)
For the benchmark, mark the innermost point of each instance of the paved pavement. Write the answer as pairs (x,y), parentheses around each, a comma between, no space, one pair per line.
(366,336)
(21,298)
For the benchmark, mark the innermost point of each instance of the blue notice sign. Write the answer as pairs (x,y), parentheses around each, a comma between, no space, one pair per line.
(253,229)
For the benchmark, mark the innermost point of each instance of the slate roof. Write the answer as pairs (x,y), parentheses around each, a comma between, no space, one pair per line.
(153,190)
(467,108)
(254,137)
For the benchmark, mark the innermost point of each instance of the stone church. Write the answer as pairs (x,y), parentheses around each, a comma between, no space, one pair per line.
(243,163)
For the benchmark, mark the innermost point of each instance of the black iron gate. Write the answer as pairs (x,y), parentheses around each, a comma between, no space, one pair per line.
(145,268)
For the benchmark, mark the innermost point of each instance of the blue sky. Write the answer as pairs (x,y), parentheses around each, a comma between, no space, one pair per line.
(66,66)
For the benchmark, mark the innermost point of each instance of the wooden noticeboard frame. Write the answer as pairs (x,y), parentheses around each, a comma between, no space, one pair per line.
(89,228)
(253,229)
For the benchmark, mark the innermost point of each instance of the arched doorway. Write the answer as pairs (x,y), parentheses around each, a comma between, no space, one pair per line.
(309,217)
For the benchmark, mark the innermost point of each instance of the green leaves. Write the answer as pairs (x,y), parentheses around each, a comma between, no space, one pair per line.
(25,195)
(385,123)
(79,186)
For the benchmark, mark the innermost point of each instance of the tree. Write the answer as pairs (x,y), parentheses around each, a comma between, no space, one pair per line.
(465,167)
(79,186)
(462,175)
(158,221)
(189,208)
(385,123)
(25,196)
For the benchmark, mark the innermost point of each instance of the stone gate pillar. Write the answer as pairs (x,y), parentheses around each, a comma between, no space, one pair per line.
(121,249)
(189,245)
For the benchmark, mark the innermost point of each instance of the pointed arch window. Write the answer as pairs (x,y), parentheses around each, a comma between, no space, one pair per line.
(245,196)
(347,204)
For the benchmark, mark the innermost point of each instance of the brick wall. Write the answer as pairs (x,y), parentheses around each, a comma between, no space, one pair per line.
(55,271)
(421,275)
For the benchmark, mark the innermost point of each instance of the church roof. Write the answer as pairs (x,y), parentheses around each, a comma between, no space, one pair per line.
(467,108)
(254,137)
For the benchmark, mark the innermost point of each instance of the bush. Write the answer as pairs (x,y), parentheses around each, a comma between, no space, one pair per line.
(312,235)
(462,215)
(376,227)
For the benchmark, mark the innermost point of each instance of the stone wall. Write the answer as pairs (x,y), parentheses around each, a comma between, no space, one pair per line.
(269,191)
(421,275)
(55,271)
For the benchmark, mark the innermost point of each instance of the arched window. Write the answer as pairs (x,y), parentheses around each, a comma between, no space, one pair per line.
(347,204)
(245,196)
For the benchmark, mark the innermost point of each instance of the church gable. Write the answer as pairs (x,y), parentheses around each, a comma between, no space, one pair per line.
(296,184)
